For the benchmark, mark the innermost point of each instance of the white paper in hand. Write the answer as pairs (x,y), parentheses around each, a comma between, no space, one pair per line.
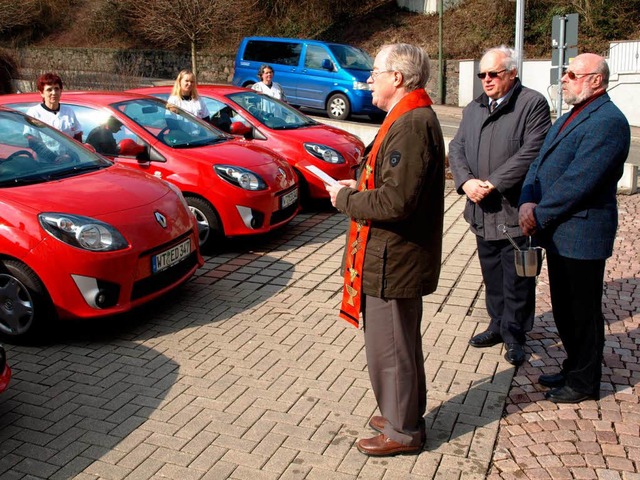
(321,175)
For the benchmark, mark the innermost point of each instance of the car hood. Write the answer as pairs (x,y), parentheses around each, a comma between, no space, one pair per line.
(92,194)
(358,75)
(237,152)
(325,134)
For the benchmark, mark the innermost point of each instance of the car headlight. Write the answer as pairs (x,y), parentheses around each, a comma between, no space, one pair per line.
(83,232)
(360,86)
(240,177)
(324,153)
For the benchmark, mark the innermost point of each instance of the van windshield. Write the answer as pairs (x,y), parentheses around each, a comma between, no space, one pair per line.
(351,57)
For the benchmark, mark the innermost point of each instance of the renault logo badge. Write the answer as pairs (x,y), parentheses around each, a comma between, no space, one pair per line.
(161,219)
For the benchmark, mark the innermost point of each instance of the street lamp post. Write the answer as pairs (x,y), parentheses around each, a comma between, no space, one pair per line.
(519,35)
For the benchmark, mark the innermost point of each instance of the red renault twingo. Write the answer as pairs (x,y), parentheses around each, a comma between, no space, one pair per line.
(297,137)
(82,237)
(234,187)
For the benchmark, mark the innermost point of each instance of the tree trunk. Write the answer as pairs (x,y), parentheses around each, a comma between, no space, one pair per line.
(194,65)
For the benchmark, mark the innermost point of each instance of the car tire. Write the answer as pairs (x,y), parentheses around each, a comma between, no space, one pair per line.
(338,107)
(209,226)
(303,190)
(24,301)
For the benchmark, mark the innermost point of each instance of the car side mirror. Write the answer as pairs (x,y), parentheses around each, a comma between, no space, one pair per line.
(129,148)
(327,65)
(239,128)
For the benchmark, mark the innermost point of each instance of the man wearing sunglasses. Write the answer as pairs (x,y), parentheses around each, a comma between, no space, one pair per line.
(499,136)
(569,202)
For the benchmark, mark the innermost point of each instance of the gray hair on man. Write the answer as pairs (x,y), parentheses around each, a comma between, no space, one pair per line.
(411,61)
(603,69)
(510,56)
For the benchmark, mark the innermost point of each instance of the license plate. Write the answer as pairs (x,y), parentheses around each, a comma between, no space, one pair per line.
(289,199)
(170,257)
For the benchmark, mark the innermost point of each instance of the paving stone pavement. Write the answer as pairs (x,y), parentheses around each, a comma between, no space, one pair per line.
(247,373)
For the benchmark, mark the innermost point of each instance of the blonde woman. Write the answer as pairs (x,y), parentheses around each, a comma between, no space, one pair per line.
(185,95)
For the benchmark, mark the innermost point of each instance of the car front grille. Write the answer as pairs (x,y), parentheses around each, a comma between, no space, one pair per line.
(156,282)
(282,215)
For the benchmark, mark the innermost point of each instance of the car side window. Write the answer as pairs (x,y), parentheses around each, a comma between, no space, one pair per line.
(93,121)
(282,53)
(222,115)
(315,56)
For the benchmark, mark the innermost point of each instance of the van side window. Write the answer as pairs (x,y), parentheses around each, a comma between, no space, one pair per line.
(282,53)
(314,57)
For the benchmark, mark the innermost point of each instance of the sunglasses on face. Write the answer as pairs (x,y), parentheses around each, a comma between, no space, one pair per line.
(482,75)
(572,75)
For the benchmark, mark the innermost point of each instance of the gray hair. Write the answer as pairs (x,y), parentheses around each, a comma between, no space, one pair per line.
(510,61)
(603,69)
(411,61)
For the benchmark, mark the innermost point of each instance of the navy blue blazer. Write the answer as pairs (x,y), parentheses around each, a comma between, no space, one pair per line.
(574,182)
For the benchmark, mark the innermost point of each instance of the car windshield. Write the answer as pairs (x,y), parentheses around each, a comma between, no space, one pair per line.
(172,126)
(351,57)
(32,152)
(271,112)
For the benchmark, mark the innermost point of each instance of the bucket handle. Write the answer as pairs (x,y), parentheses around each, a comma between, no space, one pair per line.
(505,233)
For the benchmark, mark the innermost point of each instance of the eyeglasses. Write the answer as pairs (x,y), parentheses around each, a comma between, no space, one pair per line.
(375,74)
(481,75)
(573,75)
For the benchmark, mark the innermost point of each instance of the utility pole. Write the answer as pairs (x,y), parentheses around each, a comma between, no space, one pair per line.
(519,35)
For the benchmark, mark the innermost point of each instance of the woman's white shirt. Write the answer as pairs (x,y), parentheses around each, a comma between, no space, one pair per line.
(275,90)
(195,107)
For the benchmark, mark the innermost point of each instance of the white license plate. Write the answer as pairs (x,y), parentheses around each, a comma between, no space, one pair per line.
(289,199)
(170,257)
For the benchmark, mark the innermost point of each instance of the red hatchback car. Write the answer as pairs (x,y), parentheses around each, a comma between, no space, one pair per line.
(81,237)
(298,138)
(233,186)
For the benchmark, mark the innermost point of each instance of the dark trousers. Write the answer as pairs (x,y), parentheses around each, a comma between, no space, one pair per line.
(510,299)
(576,301)
(393,345)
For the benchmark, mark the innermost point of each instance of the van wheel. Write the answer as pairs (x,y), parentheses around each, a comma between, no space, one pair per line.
(209,225)
(24,301)
(338,106)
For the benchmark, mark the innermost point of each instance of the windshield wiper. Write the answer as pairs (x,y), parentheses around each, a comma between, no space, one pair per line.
(75,170)
(200,143)
(294,127)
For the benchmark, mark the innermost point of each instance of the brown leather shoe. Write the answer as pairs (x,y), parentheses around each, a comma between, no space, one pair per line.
(383,446)
(378,423)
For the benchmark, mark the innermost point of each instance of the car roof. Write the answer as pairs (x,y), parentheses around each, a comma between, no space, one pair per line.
(100,97)
(221,89)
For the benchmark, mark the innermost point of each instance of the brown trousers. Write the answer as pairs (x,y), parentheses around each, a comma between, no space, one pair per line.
(393,345)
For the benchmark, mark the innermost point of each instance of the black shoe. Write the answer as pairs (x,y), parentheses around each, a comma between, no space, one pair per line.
(515,354)
(567,394)
(554,380)
(485,339)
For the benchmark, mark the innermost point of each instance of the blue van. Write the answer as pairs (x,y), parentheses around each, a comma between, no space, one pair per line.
(314,74)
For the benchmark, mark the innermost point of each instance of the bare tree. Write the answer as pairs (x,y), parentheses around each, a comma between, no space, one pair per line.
(173,23)
(17,14)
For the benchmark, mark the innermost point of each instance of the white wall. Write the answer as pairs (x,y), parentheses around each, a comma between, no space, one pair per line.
(624,89)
